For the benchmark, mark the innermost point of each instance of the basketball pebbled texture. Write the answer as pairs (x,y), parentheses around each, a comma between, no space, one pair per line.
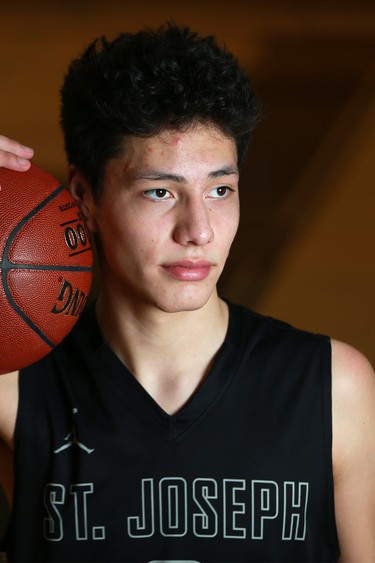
(46,263)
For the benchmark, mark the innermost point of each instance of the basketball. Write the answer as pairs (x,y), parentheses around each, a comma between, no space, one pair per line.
(46,263)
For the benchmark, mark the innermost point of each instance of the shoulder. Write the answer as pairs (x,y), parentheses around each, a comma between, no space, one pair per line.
(348,362)
(353,397)
(353,406)
(353,385)
(256,325)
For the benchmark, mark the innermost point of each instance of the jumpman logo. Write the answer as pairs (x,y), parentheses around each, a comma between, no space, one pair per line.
(73,441)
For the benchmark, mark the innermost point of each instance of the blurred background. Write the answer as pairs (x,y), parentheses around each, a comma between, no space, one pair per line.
(305,249)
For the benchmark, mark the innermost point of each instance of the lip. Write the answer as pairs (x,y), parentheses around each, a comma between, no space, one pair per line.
(188,270)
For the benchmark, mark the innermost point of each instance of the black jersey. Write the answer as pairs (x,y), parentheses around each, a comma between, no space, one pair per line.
(243,473)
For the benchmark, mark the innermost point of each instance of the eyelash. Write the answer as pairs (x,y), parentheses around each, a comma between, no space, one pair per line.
(227,191)
(148,193)
(163,192)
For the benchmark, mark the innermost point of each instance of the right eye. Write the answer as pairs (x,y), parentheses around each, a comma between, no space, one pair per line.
(158,194)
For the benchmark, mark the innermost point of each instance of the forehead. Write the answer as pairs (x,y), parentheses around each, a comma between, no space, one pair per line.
(195,156)
(200,142)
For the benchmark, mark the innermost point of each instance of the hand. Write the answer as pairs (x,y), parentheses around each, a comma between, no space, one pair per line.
(13,155)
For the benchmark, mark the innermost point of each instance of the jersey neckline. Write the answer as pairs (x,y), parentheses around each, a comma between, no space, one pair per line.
(135,397)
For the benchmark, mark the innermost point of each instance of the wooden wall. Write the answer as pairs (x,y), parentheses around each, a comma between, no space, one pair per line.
(305,250)
(305,247)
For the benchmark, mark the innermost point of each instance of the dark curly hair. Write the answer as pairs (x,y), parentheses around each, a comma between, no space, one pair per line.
(142,83)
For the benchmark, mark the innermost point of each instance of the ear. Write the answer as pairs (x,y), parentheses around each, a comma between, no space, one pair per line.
(82,193)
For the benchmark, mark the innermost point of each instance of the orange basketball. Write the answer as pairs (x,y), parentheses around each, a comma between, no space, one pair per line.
(45,265)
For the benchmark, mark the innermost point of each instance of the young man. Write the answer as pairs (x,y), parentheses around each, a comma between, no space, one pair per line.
(171,425)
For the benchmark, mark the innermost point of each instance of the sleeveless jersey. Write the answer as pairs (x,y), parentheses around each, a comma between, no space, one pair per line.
(243,473)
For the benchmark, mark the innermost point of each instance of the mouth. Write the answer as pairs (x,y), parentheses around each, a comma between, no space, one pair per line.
(189,270)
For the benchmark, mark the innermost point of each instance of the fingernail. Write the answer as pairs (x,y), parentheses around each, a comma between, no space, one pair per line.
(22,161)
(28,149)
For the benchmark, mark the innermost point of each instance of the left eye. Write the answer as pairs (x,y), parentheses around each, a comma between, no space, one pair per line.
(159,193)
(220,192)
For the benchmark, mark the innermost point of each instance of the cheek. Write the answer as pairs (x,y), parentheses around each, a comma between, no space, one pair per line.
(229,227)
(131,239)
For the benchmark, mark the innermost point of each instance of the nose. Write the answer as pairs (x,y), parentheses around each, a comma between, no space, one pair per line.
(193,225)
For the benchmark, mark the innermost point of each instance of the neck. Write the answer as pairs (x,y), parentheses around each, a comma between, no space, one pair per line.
(170,354)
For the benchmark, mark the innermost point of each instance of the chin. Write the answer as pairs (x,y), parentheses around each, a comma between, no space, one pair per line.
(185,301)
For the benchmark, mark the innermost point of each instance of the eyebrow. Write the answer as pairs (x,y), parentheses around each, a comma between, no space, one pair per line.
(160,175)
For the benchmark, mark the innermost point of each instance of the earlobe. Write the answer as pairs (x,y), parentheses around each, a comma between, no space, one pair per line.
(81,192)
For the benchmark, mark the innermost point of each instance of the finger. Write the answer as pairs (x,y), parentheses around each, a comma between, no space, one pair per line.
(14,155)
(10,145)
(14,162)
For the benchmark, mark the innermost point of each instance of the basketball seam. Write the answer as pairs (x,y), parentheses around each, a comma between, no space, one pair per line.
(6,264)
(27,218)
(23,316)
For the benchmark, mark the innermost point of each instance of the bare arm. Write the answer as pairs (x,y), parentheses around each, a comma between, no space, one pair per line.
(8,406)
(354,453)
(8,414)
(13,155)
